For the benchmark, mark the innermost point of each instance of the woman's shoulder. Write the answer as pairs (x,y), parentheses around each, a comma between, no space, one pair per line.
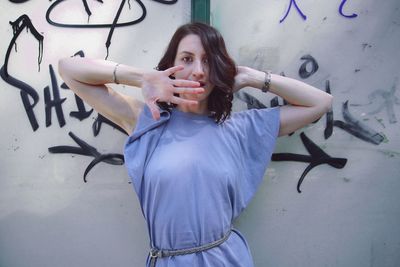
(255,120)
(251,114)
(146,122)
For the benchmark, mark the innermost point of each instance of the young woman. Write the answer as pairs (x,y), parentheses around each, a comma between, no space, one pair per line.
(194,165)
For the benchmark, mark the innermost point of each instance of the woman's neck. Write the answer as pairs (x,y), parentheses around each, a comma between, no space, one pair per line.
(201,108)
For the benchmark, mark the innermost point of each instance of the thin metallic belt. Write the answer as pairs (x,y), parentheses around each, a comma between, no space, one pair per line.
(161,253)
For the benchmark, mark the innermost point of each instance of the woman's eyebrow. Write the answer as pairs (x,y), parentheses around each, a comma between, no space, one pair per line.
(186,52)
(190,54)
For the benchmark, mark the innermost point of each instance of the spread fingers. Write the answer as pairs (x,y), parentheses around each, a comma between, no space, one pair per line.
(185,83)
(185,90)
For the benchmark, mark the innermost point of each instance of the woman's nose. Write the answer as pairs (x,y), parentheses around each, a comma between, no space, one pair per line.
(198,69)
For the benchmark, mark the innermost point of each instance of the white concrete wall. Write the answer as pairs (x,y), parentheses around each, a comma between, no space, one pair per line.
(343,217)
(48,215)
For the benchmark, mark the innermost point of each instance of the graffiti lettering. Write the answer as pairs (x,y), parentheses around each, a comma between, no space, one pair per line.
(351,124)
(107,25)
(389,100)
(357,128)
(329,115)
(251,101)
(99,121)
(288,10)
(56,102)
(26,90)
(18,1)
(304,17)
(87,150)
(341,11)
(82,113)
(309,60)
(111,26)
(317,157)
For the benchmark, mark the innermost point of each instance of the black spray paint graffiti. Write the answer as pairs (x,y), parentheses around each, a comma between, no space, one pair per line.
(357,128)
(388,101)
(304,17)
(26,91)
(18,1)
(351,125)
(96,127)
(87,150)
(82,113)
(52,99)
(317,157)
(112,26)
(251,101)
(56,102)
(30,96)
(309,60)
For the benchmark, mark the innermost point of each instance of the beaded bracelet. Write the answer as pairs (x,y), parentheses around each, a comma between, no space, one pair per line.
(267,81)
(115,74)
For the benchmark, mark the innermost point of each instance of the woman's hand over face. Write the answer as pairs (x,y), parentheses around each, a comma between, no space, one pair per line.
(158,86)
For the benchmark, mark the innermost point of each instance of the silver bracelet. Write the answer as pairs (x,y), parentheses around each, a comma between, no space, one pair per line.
(115,74)
(267,81)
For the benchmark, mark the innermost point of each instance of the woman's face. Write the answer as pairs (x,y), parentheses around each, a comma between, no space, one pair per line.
(192,56)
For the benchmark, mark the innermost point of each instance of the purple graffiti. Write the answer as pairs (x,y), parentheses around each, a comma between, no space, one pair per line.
(344,15)
(288,10)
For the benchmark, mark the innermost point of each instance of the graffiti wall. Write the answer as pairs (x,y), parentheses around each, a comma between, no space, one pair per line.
(65,197)
(331,194)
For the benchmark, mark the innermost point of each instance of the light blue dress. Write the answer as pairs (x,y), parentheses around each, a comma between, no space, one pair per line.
(194,176)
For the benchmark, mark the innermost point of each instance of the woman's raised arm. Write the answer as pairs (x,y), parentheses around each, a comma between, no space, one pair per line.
(307,102)
(89,79)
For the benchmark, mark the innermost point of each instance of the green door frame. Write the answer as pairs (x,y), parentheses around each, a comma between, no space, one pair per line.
(201,11)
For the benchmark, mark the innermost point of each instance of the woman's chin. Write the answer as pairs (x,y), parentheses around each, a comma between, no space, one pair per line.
(197,97)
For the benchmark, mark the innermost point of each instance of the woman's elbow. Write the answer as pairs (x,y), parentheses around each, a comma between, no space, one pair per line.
(328,103)
(325,105)
(62,66)
(68,68)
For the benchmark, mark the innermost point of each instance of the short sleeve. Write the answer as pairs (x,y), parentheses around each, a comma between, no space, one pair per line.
(257,132)
(141,143)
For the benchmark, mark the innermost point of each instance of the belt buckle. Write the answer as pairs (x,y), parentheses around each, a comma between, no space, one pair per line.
(154,253)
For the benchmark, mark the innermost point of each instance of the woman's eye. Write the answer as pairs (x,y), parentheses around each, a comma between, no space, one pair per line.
(186,59)
(205,61)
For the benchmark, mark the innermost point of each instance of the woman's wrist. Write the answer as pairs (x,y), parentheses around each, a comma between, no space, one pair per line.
(124,74)
(255,78)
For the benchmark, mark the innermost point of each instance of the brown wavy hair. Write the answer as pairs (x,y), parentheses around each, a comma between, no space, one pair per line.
(222,68)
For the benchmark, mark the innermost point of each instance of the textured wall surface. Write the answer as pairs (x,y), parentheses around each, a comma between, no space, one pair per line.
(348,212)
(48,215)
